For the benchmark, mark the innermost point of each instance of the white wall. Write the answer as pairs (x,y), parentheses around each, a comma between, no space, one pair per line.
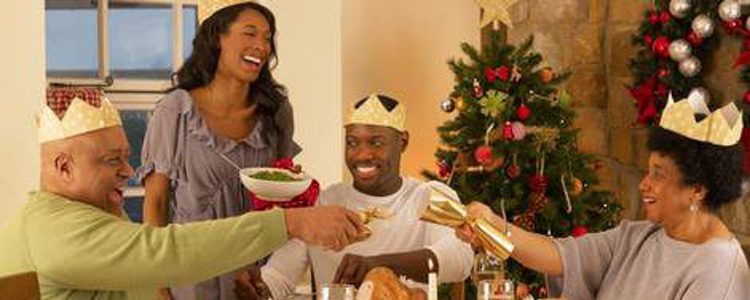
(21,94)
(401,48)
(309,49)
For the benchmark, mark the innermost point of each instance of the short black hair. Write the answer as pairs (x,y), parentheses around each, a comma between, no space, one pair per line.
(388,102)
(717,168)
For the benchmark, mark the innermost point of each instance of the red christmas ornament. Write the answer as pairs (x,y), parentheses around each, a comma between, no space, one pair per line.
(538,183)
(653,18)
(507,131)
(478,92)
(579,231)
(694,39)
(661,46)
(523,112)
(732,26)
(444,169)
(746,97)
(662,73)
(483,154)
(648,39)
(514,171)
(665,17)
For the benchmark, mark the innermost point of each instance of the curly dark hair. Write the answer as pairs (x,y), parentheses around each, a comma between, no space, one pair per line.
(717,168)
(200,67)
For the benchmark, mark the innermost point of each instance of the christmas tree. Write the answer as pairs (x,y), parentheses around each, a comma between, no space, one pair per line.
(512,147)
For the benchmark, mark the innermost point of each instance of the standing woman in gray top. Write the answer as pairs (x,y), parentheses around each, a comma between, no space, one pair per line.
(682,251)
(225,112)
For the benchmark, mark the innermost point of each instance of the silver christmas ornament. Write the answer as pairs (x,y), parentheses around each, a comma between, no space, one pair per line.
(679,50)
(448,105)
(703,26)
(701,93)
(690,66)
(679,8)
(729,10)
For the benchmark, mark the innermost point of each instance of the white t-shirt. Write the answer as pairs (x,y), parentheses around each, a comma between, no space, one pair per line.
(402,232)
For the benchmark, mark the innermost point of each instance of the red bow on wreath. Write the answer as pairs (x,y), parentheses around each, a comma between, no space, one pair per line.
(501,72)
(646,95)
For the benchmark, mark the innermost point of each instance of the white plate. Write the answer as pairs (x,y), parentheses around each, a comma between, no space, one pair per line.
(278,191)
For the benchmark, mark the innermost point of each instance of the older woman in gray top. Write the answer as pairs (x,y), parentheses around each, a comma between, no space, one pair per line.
(226,112)
(682,251)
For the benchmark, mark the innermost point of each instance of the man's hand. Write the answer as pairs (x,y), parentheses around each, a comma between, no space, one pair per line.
(331,227)
(249,286)
(353,269)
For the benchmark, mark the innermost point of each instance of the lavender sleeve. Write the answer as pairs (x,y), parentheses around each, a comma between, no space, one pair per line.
(585,263)
(160,144)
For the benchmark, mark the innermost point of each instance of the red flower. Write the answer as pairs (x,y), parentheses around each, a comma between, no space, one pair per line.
(746,147)
(665,17)
(653,18)
(648,39)
(644,95)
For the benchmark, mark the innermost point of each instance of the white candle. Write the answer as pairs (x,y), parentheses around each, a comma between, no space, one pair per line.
(432,283)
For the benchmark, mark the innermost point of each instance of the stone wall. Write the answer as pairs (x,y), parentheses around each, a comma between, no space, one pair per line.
(592,39)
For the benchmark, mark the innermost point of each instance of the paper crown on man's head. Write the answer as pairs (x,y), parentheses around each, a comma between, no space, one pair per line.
(373,112)
(723,127)
(74,118)
(206,8)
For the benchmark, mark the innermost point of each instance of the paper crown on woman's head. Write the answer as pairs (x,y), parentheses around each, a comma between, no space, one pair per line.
(723,127)
(206,8)
(373,112)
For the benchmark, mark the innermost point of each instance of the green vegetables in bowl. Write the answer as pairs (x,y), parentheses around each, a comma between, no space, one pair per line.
(274,176)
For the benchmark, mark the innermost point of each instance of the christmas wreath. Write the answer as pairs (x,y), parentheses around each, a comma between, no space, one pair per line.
(674,39)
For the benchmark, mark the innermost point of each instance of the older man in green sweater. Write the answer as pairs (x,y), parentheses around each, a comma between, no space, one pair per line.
(72,233)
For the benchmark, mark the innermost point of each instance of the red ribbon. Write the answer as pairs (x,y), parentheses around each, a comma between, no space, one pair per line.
(306,199)
(501,72)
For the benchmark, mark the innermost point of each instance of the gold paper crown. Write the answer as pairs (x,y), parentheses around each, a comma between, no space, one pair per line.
(722,127)
(79,118)
(207,8)
(372,112)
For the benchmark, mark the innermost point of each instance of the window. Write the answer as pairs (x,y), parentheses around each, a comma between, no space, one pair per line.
(136,43)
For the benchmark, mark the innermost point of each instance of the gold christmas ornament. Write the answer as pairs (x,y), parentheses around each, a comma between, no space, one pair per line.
(547,74)
(460,104)
(722,127)
(79,118)
(576,187)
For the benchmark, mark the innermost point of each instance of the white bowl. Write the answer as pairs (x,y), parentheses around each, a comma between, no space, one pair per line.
(275,190)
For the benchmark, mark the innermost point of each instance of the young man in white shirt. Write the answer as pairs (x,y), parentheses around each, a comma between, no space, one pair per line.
(375,139)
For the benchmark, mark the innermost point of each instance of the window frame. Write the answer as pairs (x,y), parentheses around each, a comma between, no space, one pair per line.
(128,94)
(125,85)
